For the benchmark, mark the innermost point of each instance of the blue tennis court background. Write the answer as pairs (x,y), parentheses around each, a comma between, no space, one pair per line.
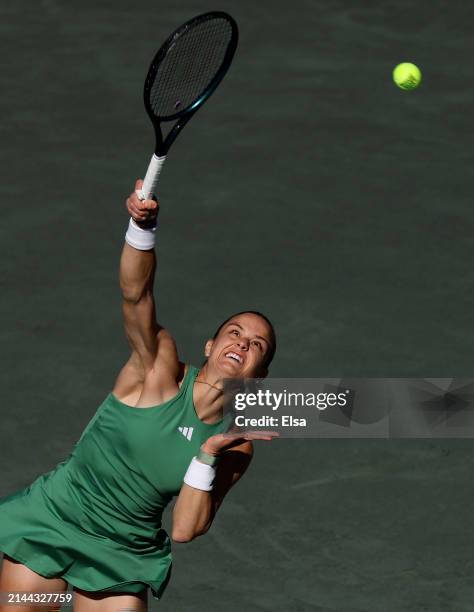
(309,187)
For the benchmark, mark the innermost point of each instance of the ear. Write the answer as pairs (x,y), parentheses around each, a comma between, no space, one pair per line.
(208,347)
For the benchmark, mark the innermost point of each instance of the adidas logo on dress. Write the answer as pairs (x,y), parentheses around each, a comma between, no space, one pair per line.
(187,432)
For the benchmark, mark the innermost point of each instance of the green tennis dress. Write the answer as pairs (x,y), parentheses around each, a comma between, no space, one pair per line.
(95,519)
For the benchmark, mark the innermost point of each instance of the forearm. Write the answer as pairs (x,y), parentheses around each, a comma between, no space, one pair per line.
(137,272)
(192,514)
(199,501)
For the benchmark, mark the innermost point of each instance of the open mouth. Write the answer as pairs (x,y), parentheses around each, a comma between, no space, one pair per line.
(235,357)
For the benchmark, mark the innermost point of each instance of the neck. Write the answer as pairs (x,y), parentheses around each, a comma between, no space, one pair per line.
(208,395)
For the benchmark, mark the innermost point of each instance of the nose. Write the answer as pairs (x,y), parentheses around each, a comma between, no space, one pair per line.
(243,343)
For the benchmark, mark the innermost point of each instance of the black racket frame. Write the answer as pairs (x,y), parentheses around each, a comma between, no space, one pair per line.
(162,145)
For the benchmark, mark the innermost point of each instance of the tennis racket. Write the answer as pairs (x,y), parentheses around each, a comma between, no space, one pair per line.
(183,74)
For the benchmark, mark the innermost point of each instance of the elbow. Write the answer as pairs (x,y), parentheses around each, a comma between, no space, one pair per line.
(182,536)
(130,296)
(134,294)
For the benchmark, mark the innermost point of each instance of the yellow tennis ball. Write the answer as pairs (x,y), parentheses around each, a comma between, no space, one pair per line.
(407,76)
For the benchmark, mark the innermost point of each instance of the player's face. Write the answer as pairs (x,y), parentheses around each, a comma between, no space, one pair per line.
(240,348)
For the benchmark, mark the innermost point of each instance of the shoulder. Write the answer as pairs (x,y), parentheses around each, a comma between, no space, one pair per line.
(165,375)
(166,365)
(166,350)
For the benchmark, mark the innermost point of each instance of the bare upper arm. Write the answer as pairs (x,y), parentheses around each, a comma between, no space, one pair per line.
(143,386)
(130,378)
(161,381)
(141,328)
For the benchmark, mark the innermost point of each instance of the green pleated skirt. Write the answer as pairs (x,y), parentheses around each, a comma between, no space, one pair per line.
(52,544)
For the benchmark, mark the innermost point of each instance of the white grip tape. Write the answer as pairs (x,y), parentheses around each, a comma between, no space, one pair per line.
(151,178)
(200,475)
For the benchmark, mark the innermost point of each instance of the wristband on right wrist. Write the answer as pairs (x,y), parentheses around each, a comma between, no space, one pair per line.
(139,237)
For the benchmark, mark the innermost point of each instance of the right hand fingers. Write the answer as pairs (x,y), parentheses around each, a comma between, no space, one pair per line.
(139,213)
(134,211)
(138,188)
(141,210)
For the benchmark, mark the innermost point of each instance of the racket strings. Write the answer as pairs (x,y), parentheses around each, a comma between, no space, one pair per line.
(189,66)
(187,71)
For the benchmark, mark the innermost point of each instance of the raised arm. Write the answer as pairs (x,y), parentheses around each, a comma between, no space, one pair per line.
(153,364)
(137,273)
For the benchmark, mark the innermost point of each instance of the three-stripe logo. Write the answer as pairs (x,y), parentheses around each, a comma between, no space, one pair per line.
(187,432)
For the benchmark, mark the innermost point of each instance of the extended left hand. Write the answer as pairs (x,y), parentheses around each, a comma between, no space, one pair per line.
(223,441)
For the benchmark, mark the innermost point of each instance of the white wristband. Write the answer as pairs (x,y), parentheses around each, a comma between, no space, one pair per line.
(139,238)
(200,475)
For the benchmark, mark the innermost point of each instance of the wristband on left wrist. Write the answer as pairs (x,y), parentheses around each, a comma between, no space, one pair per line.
(207,458)
(200,475)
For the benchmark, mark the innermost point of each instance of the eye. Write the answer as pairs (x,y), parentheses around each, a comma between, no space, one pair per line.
(257,344)
(235,331)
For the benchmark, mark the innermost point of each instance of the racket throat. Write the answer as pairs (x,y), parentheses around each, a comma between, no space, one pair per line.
(163,142)
(160,149)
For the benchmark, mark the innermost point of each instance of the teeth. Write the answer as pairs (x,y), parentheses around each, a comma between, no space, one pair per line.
(234,356)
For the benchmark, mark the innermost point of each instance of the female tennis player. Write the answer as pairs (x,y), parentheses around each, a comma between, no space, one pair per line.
(94,521)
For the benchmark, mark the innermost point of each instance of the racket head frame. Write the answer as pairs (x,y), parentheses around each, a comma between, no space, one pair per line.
(183,116)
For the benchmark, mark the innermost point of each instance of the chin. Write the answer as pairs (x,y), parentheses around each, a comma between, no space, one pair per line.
(231,371)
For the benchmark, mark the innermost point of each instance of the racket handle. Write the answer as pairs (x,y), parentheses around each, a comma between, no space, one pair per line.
(151,178)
